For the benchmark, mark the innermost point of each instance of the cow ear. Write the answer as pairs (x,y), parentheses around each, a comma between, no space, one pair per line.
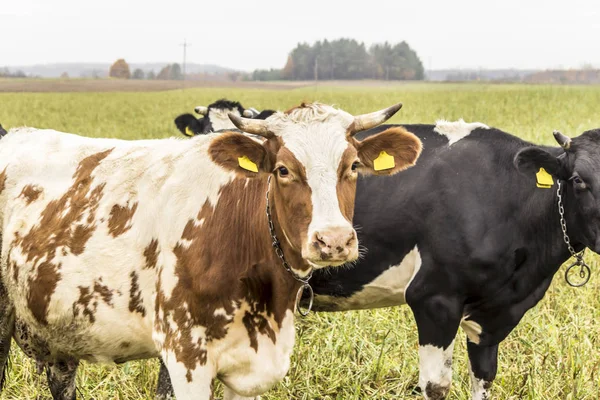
(388,152)
(241,154)
(188,125)
(530,160)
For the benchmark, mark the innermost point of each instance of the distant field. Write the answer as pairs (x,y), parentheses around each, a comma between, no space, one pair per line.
(553,354)
(119,85)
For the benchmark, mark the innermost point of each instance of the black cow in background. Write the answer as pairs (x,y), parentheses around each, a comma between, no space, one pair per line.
(471,238)
(215,117)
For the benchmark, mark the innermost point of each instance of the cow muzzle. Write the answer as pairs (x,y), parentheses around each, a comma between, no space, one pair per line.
(331,246)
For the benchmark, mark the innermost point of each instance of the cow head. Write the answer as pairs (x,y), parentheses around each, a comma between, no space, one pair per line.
(314,160)
(579,166)
(215,117)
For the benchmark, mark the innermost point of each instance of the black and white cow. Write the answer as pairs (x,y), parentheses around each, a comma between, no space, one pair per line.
(470,239)
(215,117)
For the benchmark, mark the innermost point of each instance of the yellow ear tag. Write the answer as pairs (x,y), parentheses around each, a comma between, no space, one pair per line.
(544,179)
(247,164)
(383,162)
(188,131)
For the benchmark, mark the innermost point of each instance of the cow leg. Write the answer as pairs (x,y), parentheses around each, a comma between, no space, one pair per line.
(61,379)
(229,394)
(483,361)
(437,320)
(189,383)
(164,390)
(7,327)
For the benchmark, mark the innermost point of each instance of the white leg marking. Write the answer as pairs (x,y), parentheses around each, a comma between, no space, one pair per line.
(435,368)
(455,131)
(479,387)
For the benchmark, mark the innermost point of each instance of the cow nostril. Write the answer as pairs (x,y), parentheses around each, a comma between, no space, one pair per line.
(320,239)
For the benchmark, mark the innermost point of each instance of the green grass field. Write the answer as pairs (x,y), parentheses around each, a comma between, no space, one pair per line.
(553,354)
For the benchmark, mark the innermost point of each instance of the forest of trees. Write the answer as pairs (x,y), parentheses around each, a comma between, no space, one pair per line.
(348,59)
(6,73)
(120,70)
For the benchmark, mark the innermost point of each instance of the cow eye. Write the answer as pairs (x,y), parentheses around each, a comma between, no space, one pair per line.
(355,165)
(578,182)
(283,171)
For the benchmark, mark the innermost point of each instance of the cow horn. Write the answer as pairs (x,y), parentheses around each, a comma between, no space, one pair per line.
(368,121)
(254,126)
(248,113)
(563,140)
(201,110)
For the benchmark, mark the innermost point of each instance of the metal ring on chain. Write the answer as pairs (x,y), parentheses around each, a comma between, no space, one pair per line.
(584,274)
(310,299)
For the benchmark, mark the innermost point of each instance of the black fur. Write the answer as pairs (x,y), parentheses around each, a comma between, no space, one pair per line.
(203,125)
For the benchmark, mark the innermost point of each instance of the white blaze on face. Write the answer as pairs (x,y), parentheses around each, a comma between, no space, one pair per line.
(457,130)
(319,145)
(219,118)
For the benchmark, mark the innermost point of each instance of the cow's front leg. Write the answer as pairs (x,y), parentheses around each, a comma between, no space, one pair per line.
(229,394)
(437,320)
(483,361)
(61,379)
(189,383)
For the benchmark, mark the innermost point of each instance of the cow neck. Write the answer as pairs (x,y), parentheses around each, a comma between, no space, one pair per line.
(550,249)
(289,258)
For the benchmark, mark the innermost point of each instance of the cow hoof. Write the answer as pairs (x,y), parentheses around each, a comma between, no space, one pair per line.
(436,392)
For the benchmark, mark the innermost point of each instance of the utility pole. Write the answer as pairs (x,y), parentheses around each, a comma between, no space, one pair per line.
(316,71)
(185,45)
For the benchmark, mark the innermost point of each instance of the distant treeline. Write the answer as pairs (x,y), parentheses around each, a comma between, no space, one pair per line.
(347,59)
(5,73)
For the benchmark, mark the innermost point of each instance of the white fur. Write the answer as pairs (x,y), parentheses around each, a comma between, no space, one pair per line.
(457,130)
(229,394)
(387,290)
(219,118)
(478,390)
(202,377)
(202,110)
(247,372)
(433,366)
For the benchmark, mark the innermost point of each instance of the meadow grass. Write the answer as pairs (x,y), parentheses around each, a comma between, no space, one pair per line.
(553,353)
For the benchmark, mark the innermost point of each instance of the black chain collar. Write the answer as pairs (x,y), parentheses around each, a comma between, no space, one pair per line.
(584,272)
(279,251)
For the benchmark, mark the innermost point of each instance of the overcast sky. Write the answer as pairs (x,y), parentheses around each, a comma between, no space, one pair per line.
(259,34)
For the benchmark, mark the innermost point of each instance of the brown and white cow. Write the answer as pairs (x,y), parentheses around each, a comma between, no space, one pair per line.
(120,250)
